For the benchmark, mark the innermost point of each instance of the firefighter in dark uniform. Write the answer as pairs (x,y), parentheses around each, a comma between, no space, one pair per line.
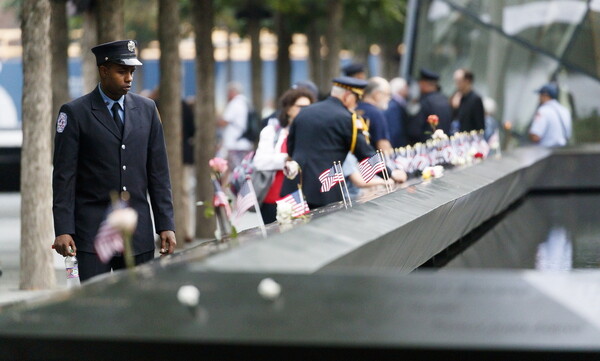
(324,133)
(110,141)
(431,102)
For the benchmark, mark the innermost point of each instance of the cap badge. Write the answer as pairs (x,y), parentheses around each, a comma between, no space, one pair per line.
(131,46)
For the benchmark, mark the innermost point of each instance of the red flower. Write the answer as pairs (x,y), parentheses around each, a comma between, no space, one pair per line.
(478,155)
(433,120)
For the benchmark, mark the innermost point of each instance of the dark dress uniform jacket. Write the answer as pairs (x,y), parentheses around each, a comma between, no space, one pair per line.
(91,159)
(320,135)
(431,103)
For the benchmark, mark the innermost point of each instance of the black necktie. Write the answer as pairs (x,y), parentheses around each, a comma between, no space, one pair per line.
(115,110)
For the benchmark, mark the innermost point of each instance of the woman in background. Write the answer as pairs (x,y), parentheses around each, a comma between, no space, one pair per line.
(271,153)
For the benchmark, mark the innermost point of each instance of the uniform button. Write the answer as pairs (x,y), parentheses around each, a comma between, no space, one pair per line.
(124,167)
(124,189)
(123,146)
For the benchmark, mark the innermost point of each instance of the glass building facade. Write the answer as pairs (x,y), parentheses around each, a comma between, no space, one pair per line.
(514,47)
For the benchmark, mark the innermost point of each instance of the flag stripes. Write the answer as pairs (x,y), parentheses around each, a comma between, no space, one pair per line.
(220,198)
(368,167)
(245,200)
(108,241)
(329,178)
(299,205)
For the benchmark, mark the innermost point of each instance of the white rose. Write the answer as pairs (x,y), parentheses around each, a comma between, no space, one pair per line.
(284,212)
(269,289)
(124,219)
(188,295)
(439,134)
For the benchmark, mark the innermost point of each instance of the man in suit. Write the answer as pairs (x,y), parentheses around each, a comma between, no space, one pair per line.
(467,103)
(323,133)
(431,102)
(110,141)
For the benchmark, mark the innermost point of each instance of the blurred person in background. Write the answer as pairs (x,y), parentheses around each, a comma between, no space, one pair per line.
(396,114)
(301,84)
(491,124)
(355,70)
(552,123)
(271,153)
(431,102)
(233,123)
(466,104)
(375,100)
(323,133)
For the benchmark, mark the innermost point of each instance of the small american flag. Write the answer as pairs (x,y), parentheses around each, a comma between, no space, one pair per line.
(368,167)
(246,199)
(108,240)
(329,178)
(484,147)
(402,162)
(299,205)
(494,141)
(420,162)
(220,199)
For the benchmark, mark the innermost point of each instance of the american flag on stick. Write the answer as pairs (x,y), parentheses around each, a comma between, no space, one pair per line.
(220,199)
(109,240)
(299,205)
(329,178)
(368,167)
(246,199)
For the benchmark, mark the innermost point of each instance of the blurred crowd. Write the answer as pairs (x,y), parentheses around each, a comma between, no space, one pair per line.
(386,114)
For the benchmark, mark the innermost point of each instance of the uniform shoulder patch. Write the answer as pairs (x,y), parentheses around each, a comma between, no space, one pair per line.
(61,122)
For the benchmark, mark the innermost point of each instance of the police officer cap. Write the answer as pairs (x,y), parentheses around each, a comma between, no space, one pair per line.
(353,68)
(118,52)
(355,85)
(426,74)
(549,89)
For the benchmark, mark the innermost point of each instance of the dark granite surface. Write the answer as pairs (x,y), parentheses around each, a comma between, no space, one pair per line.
(447,310)
(344,294)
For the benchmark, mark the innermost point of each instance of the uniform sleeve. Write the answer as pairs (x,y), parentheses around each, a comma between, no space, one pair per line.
(159,183)
(539,124)
(291,139)
(64,175)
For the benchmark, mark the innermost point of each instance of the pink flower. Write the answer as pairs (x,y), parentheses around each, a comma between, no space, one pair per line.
(218,165)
